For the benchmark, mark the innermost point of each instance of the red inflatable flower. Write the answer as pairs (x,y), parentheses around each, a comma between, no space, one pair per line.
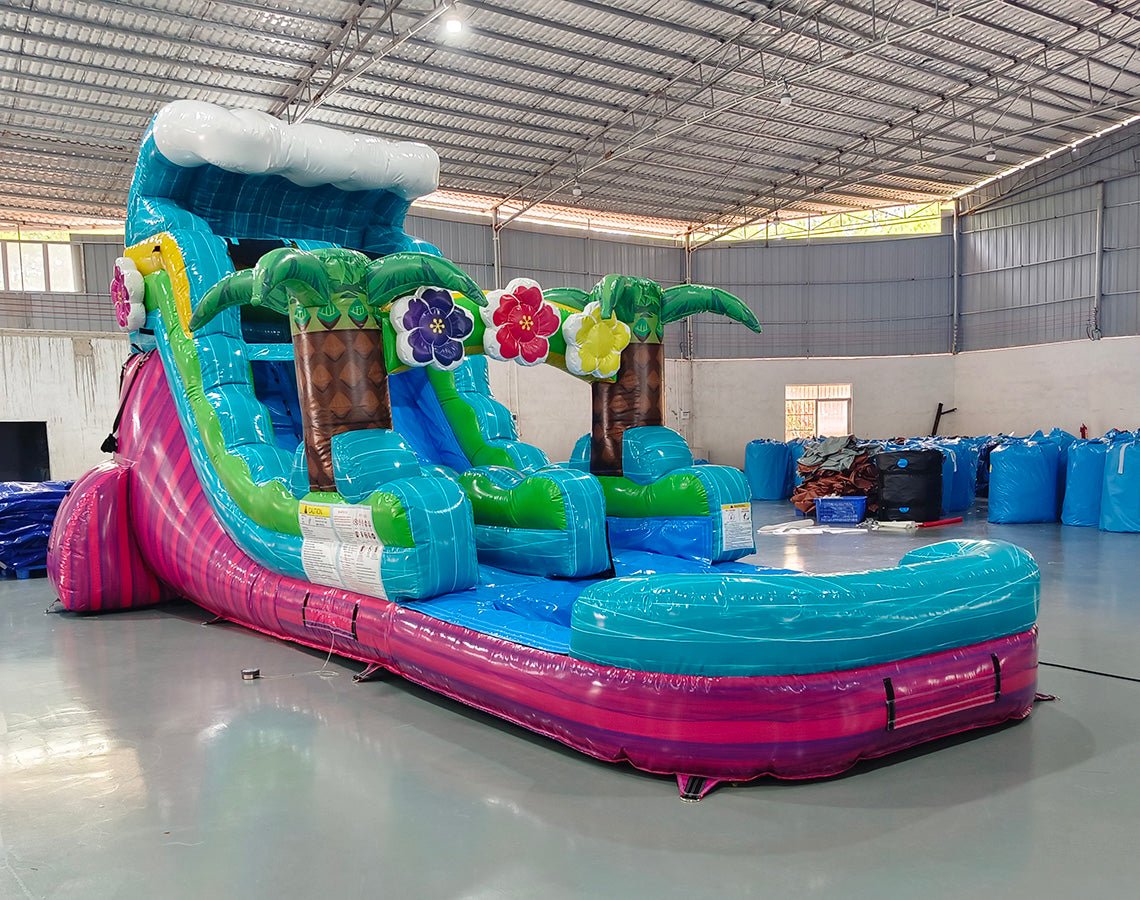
(519,323)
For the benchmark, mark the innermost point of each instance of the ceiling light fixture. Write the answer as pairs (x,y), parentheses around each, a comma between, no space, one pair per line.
(991,154)
(786,97)
(454,25)
(576,190)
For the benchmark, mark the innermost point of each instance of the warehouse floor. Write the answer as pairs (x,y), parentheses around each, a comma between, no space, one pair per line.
(135,762)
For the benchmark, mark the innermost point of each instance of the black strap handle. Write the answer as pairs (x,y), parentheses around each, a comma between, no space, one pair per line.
(111,442)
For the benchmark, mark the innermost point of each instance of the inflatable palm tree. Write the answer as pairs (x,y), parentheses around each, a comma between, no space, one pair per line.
(636,395)
(334,299)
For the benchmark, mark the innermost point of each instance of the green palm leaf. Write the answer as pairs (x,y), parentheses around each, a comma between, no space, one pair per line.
(345,268)
(575,298)
(279,276)
(686,300)
(400,274)
(622,295)
(236,289)
(288,275)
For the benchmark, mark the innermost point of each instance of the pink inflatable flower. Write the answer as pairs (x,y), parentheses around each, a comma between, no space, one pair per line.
(127,292)
(519,323)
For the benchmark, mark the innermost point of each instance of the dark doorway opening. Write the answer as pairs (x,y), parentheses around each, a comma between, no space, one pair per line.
(24,452)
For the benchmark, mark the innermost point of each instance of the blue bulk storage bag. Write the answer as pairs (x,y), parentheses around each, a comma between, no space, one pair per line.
(959,476)
(1083,484)
(949,465)
(1061,437)
(1064,441)
(964,484)
(766,466)
(984,446)
(1023,482)
(959,472)
(1120,497)
(796,449)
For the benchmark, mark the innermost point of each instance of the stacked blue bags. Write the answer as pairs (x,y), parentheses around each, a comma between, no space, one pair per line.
(1120,493)
(796,447)
(959,475)
(1027,477)
(27,510)
(1038,478)
(959,469)
(768,468)
(1023,482)
(1084,481)
(984,446)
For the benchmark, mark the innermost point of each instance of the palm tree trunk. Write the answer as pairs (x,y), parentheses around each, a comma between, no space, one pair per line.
(635,399)
(342,384)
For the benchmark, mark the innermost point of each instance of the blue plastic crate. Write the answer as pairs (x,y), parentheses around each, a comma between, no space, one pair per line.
(840,510)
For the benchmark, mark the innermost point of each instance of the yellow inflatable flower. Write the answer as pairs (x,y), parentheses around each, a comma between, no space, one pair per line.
(594,344)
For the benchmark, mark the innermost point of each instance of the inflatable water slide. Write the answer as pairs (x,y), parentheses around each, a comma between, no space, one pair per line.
(307,445)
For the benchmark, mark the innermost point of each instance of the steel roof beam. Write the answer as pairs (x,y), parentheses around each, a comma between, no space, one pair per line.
(861,150)
(612,86)
(271,61)
(285,82)
(148,98)
(935,20)
(961,63)
(988,137)
(339,47)
(966,64)
(349,113)
(499,184)
(770,152)
(838,184)
(484,57)
(342,76)
(889,142)
(9,200)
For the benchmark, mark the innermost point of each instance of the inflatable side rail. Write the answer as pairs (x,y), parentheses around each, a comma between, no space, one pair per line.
(944,595)
(665,503)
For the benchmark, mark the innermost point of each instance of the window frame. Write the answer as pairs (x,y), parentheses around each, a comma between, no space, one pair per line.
(7,283)
(843,387)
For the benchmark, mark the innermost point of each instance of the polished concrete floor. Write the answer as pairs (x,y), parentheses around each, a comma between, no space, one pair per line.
(134,762)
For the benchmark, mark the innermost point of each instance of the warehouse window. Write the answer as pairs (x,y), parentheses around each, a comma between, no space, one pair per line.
(812,410)
(888,221)
(40,266)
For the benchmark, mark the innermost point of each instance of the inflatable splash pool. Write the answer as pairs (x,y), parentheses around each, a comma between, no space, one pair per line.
(308,446)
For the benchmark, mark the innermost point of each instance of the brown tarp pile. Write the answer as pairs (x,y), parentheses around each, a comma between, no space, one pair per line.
(838,466)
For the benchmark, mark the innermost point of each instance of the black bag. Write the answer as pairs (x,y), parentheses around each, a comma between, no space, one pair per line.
(909,485)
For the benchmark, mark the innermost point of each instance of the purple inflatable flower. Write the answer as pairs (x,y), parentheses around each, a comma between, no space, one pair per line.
(430,328)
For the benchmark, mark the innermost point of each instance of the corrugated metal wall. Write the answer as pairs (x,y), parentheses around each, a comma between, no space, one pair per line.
(1120,299)
(845,298)
(1027,259)
(553,258)
(42,311)
(1028,271)
(466,243)
(1029,249)
(567,260)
